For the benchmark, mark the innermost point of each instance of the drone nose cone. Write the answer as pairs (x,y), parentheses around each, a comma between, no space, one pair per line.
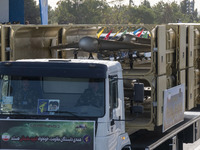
(88,44)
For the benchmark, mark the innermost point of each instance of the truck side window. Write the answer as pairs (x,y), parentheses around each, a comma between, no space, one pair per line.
(113,93)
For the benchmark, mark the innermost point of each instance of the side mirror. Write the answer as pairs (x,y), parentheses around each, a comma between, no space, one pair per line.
(138,94)
(138,97)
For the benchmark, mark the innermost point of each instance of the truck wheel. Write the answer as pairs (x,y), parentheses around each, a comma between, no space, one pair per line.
(127,147)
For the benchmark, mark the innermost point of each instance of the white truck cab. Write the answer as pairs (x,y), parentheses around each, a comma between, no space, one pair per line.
(62,104)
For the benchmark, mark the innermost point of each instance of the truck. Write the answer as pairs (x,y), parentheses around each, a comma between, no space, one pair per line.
(149,95)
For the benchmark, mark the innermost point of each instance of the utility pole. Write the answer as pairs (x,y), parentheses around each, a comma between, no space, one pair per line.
(190,6)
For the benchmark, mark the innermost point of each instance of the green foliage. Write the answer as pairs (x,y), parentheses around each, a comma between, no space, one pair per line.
(31,12)
(183,7)
(144,15)
(91,11)
(65,12)
(52,18)
(146,3)
(99,12)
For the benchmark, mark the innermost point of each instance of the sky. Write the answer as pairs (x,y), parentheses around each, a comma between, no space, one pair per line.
(52,3)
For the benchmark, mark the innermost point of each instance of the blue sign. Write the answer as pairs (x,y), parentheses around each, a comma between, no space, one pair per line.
(16,11)
(44,11)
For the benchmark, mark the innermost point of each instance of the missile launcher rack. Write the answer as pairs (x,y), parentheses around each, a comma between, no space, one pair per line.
(173,59)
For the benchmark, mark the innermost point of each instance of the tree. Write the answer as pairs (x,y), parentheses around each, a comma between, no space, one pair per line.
(31,12)
(145,14)
(167,12)
(177,16)
(64,12)
(118,15)
(90,11)
(99,12)
(51,16)
(184,6)
(146,3)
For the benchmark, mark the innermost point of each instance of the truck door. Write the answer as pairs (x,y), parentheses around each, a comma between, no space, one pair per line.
(114,104)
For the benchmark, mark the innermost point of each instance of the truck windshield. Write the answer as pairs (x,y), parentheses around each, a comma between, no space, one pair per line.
(52,96)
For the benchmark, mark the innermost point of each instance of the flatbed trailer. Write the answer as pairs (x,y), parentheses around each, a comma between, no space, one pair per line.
(187,131)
